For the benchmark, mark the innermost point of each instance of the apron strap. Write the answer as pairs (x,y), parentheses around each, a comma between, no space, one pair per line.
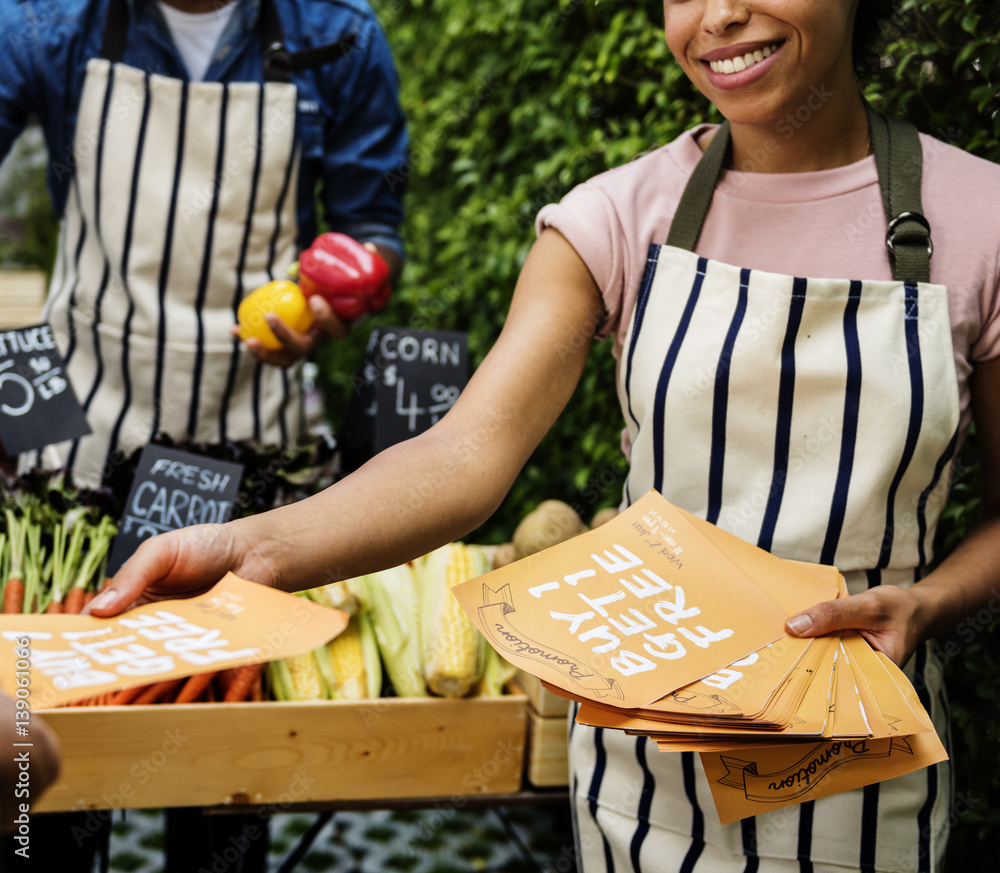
(693,206)
(115,29)
(899,159)
(279,63)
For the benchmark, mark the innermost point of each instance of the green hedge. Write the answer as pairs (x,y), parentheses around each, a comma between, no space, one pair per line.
(514,102)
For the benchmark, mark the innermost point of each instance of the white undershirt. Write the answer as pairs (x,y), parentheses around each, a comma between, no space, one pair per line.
(196,35)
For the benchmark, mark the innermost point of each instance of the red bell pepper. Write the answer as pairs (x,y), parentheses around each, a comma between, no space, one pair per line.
(352,279)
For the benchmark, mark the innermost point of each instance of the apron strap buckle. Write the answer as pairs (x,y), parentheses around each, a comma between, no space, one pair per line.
(277,63)
(909,228)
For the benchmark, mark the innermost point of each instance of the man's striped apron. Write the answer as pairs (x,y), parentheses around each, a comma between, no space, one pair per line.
(182,202)
(818,419)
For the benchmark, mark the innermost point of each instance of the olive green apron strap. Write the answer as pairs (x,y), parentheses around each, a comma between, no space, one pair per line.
(899,159)
(693,206)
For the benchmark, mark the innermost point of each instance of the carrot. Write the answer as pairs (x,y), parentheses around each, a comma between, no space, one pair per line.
(243,682)
(14,590)
(225,679)
(75,600)
(158,690)
(13,596)
(194,687)
(127,695)
(55,607)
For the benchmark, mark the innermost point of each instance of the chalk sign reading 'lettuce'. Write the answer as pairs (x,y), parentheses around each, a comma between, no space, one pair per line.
(171,490)
(37,403)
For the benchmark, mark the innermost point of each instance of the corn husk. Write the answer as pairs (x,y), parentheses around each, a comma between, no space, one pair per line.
(391,596)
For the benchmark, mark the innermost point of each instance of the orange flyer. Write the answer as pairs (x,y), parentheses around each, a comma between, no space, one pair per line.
(56,659)
(634,609)
(749,781)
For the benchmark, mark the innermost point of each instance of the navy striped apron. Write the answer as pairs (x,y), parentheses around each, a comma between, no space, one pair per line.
(816,418)
(182,202)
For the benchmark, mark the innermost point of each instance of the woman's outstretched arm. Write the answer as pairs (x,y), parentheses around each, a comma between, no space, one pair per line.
(418,494)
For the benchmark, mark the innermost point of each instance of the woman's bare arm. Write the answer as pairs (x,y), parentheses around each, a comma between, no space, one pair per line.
(417,494)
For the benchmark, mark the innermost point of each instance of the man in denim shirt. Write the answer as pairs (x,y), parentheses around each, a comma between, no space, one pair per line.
(191,144)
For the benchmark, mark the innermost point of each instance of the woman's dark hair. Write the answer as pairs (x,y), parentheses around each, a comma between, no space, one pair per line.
(874,27)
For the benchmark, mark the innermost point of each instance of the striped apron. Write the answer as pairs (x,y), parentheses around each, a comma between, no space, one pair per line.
(182,202)
(816,418)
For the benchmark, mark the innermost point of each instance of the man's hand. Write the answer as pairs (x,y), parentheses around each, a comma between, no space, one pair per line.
(295,345)
(326,323)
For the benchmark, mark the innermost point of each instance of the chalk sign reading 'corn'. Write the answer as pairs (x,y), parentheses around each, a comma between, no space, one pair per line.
(409,380)
(171,490)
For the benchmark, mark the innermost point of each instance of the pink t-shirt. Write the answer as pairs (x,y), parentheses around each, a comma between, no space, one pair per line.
(824,224)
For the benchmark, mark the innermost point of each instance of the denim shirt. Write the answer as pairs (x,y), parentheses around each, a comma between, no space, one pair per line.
(349,123)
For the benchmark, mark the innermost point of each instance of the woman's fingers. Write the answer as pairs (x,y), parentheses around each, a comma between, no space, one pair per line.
(885,616)
(171,565)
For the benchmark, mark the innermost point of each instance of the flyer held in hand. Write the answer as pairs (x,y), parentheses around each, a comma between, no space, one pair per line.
(63,658)
(661,624)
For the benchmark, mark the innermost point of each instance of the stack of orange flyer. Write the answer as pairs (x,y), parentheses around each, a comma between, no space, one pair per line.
(661,624)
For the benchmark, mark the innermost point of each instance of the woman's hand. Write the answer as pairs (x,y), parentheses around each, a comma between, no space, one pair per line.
(295,345)
(892,619)
(184,563)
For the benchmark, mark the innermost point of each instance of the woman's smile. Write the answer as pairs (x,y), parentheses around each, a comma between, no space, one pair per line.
(738,65)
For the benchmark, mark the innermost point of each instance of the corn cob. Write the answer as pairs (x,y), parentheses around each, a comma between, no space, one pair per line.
(299,677)
(452,648)
(348,670)
(391,596)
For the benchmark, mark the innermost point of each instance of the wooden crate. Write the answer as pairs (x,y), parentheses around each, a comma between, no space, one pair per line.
(286,753)
(543,701)
(22,294)
(547,764)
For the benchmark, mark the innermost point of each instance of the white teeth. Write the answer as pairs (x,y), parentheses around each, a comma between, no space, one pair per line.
(738,64)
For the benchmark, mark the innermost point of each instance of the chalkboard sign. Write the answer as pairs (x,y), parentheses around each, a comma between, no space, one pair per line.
(409,379)
(171,490)
(37,403)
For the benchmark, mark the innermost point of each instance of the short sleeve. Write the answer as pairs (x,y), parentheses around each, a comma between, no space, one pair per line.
(589,222)
(987,346)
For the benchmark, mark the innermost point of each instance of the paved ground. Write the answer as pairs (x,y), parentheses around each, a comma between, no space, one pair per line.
(512,840)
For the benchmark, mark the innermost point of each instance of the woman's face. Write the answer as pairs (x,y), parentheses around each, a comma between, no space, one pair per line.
(760,60)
